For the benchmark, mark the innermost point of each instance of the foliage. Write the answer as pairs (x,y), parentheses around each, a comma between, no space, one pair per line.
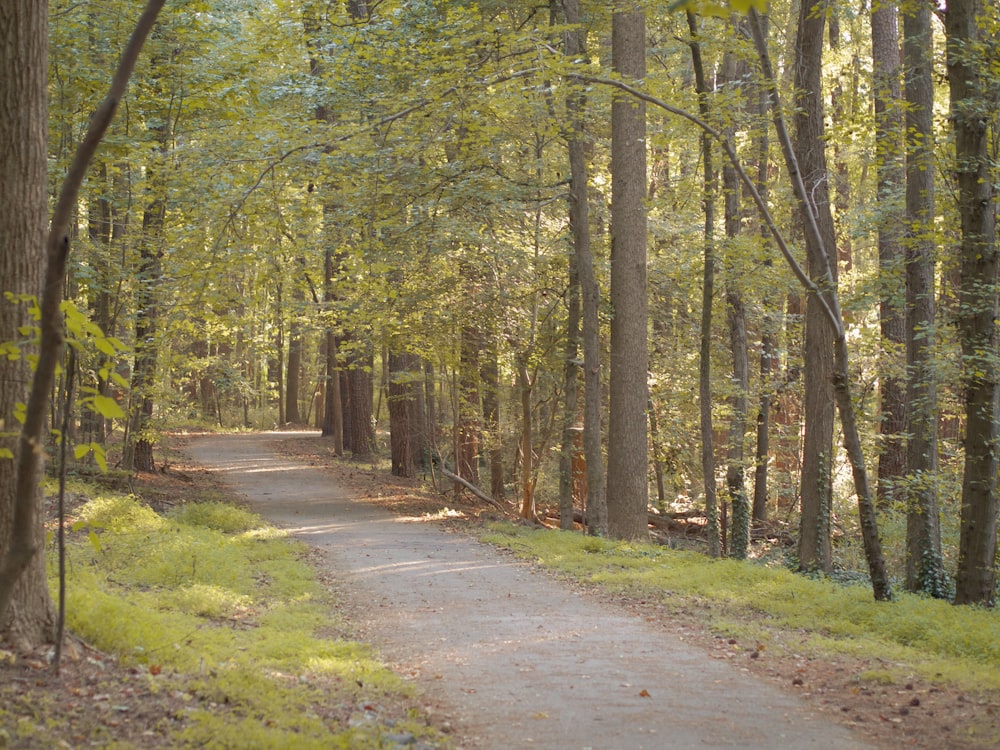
(422,147)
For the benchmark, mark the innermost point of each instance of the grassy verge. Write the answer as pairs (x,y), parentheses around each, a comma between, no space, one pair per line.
(941,642)
(219,609)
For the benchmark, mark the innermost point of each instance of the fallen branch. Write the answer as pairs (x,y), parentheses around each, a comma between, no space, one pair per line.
(471,488)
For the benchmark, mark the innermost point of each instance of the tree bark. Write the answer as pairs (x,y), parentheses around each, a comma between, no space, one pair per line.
(891,174)
(404,374)
(571,371)
(469,406)
(924,565)
(628,486)
(359,376)
(138,451)
(815,550)
(26,613)
(976,576)
(709,189)
(489,374)
(579,196)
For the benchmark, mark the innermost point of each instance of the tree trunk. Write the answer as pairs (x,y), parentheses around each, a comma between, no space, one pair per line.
(815,550)
(976,575)
(294,366)
(890,166)
(404,374)
(359,377)
(709,188)
(579,196)
(628,486)
(571,372)
(924,566)
(757,103)
(826,294)
(739,536)
(26,614)
(524,385)
(138,451)
(469,406)
(490,377)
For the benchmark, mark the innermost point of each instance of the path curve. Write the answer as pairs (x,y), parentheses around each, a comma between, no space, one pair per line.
(516,659)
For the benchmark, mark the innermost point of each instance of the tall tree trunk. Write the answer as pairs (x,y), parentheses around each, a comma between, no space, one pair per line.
(841,179)
(524,385)
(890,166)
(736,318)
(26,613)
(294,365)
(976,575)
(571,372)
(628,485)
(579,196)
(489,373)
(924,567)
(757,103)
(826,294)
(815,550)
(469,406)
(709,189)
(138,451)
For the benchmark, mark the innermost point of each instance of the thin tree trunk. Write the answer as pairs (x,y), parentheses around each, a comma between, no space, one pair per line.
(469,406)
(709,189)
(490,378)
(597,509)
(524,386)
(571,371)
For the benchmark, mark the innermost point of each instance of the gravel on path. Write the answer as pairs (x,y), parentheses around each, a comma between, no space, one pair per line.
(514,658)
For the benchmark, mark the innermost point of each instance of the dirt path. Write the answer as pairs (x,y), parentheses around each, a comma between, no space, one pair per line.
(513,658)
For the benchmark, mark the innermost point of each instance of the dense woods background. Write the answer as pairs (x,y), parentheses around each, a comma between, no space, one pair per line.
(492,239)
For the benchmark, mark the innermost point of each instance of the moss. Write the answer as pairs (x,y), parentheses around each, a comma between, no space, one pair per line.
(226,605)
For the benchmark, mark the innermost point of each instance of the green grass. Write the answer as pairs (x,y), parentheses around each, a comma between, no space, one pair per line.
(959,645)
(214,602)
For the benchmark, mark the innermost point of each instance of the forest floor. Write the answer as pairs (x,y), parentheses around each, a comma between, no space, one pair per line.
(505,655)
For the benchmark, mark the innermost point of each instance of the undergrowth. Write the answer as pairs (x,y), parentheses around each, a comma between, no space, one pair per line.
(960,645)
(211,602)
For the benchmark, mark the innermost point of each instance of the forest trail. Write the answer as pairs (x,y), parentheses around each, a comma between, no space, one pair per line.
(509,657)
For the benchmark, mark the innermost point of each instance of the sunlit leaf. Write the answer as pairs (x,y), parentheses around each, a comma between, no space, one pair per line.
(107,407)
(95,541)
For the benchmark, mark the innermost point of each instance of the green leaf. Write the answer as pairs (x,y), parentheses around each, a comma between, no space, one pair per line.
(95,541)
(100,456)
(81,450)
(107,407)
(6,453)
